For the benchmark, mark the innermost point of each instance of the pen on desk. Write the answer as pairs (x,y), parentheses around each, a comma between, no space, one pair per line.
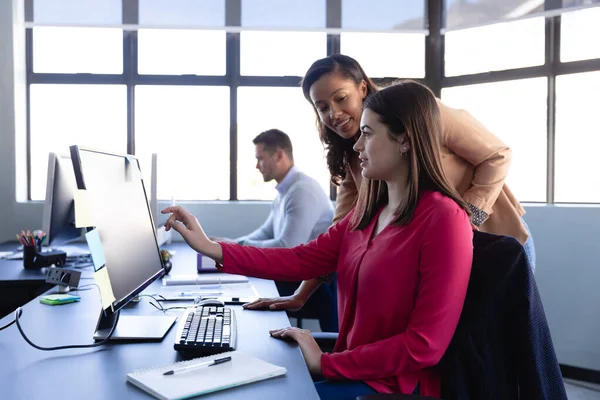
(195,366)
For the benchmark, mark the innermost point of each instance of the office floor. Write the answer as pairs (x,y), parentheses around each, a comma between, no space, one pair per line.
(575,390)
(581,390)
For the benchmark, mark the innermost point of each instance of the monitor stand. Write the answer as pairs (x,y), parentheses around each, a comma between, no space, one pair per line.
(134,327)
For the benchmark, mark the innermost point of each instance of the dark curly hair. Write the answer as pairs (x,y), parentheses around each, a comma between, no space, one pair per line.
(339,150)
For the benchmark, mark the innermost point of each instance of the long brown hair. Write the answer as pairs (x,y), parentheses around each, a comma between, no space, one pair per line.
(339,150)
(407,107)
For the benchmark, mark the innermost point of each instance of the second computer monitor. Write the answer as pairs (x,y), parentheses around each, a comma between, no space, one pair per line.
(59,211)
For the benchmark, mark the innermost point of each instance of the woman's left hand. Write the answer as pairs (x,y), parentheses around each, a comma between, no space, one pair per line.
(308,345)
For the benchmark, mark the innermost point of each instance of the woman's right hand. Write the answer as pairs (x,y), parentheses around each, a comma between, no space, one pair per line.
(289,303)
(189,228)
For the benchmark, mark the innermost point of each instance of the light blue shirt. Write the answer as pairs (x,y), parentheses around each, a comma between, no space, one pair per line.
(300,212)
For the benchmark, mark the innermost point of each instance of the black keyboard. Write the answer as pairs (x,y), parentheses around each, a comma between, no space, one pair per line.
(206,330)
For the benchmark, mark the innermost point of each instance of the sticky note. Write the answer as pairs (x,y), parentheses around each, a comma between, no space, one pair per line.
(96,249)
(57,299)
(83,209)
(62,297)
(106,292)
(132,169)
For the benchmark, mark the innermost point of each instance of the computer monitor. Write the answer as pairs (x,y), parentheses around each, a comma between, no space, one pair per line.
(162,235)
(59,211)
(122,217)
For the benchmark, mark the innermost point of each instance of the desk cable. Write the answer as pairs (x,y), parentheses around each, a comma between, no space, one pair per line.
(84,287)
(18,313)
(7,325)
(158,298)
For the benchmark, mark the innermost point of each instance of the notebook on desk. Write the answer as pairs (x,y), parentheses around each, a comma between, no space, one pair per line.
(241,370)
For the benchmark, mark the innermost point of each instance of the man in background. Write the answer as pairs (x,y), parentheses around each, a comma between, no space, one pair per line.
(300,212)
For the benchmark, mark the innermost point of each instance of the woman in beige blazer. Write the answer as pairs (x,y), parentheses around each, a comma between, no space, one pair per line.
(474,160)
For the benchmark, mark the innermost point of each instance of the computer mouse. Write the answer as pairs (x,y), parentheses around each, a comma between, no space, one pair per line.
(208,302)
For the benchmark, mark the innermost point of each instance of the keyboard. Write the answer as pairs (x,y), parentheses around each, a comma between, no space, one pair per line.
(206,330)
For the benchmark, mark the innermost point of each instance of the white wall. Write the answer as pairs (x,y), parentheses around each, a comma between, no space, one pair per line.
(567,238)
(12,106)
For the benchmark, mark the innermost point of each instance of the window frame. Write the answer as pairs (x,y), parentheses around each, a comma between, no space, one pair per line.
(434,72)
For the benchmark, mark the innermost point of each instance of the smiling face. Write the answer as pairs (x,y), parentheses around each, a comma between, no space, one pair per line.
(338,101)
(380,155)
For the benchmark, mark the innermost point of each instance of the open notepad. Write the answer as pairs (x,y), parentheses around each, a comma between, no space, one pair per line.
(241,370)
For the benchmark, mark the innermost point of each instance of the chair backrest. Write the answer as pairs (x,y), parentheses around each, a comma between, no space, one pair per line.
(502,347)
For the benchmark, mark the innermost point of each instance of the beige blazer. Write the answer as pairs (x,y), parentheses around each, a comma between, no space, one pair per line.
(475,161)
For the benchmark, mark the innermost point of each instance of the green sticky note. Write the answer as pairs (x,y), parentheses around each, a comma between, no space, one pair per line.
(56,299)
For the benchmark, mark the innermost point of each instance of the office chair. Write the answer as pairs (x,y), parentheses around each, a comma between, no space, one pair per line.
(502,346)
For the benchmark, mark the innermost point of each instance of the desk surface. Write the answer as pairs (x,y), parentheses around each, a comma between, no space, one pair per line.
(100,373)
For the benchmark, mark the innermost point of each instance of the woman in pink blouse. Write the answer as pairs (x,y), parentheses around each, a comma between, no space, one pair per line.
(403,256)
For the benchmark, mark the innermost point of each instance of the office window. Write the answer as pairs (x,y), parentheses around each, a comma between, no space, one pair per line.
(577,3)
(474,12)
(577,177)
(280,53)
(495,47)
(77,50)
(182,13)
(515,111)
(383,14)
(386,54)
(262,108)
(579,35)
(81,12)
(63,115)
(288,14)
(181,52)
(188,127)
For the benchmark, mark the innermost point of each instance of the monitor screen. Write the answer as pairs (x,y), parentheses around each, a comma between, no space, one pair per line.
(121,215)
(59,217)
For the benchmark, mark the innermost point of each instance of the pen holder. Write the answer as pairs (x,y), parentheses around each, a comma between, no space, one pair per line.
(30,254)
(33,258)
